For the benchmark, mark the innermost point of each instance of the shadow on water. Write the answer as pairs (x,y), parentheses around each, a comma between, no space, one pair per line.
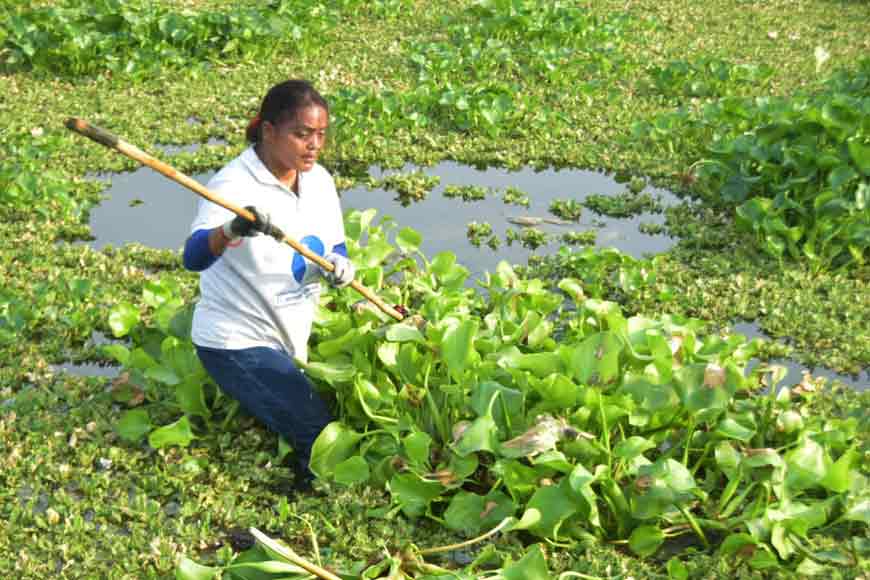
(795,369)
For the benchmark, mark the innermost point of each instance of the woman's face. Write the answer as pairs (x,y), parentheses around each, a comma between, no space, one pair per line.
(296,142)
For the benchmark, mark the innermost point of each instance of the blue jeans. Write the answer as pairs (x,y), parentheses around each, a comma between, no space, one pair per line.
(269,386)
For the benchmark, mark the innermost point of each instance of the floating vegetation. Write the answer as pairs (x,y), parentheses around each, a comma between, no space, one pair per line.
(466,192)
(622,205)
(481,233)
(515,196)
(529,237)
(567,209)
(84,38)
(586,238)
(651,228)
(706,77)
(795,169)
(413,186)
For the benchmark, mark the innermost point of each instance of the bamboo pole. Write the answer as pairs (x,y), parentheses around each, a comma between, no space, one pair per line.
(112,141)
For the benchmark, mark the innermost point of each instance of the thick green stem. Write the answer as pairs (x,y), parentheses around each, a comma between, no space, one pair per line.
(692,522)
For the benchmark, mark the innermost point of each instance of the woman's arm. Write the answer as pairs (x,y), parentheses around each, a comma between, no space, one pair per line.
(203,248)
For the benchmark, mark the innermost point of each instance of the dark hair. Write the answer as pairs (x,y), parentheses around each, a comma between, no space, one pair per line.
(284,100)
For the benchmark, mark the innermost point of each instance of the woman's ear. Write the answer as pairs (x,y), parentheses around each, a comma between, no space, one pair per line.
(267,131)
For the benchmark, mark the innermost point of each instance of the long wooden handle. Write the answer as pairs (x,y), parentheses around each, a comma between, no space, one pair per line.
(112,141)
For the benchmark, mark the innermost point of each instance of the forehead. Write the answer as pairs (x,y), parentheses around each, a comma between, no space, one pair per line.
(312,117)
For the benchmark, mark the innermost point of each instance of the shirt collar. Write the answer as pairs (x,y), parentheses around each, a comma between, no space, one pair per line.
(261,173)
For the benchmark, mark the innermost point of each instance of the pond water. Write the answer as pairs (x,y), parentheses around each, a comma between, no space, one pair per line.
(795,369)
(443,221)
(146,207)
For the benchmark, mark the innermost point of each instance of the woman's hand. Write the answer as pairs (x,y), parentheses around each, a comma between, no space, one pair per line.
(343,272)
(240,227)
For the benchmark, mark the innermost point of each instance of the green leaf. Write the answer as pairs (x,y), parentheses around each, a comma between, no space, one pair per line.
(191,397)
(860,154)
(596,360)
(189,570)
(727,458)
(163,375)
(412,494)
(463,513)
(508,409)
(532,566)
(404,333)
(334,444)
(730,429)
(581,481)
(119,352)
(630,448)
(646,540)
(408,240)
(352,470)
(334,373)
(177,433)
(270,567)
(807,464)
(677,570)
(134,425)
(123,318)
(417,447)
(735,542)
(546,510)
(859,511)
(479,436)
(457,344)
(541,364)
(839,475)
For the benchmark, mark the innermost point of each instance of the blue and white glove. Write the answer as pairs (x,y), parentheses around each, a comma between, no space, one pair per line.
(343,273)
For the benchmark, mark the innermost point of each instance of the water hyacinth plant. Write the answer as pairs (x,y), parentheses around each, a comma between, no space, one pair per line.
(548,407)
(582,425)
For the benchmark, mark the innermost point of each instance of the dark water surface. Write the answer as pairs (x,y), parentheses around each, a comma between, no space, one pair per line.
(148,208)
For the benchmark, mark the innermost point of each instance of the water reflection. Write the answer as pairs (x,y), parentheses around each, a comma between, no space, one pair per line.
(148,208)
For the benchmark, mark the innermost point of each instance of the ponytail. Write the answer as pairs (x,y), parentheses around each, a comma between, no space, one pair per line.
(252,133)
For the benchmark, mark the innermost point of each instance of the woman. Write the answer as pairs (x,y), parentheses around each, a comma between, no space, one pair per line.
(258,296)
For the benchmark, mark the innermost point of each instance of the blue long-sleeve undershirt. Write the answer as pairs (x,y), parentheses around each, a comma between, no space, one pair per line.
(198,257)
(197,253)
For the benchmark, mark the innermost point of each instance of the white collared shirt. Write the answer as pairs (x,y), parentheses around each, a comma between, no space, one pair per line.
(261,292)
